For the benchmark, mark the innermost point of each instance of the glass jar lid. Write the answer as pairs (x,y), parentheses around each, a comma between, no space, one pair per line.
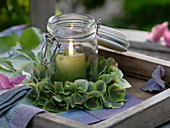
(71,26)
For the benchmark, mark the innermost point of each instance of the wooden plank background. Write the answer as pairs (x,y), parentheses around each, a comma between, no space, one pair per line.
(40,11)
(139,40)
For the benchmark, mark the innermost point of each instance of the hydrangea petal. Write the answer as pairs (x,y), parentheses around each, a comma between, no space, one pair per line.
(167,37)
(155,83)
(155,87)
(157,74)
(11,79)
(151,86)
(157,31)
(18,80)
(4,82)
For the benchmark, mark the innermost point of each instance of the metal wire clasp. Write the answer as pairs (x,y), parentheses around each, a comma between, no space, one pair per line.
(98,23)
(43,54)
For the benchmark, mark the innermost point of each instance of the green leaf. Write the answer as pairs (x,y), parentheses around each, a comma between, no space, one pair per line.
(117,76)
(102,66)
(15,37)
(114,104)
(50,106)
(18,73)
(103,99)
(40,87)
(6,64)
(59,87)
(70,87)
(110,60)
(34,92)
(92,104)
(116,92)
(90,86)
(94,94)
(27,53)
(106,78)
(124,83)
(102,63)
(41,102)
(82,83)
(27,67)
(103,71)
(7,42)
(6,72)
(93,72)
(112,69)
(49,86)
(100,86)
(120,74)
(40,72)
(32,85)
(57,98)
(67,101)
(76,98)
(31,38)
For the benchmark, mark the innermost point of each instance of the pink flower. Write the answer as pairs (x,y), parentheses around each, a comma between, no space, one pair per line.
(167,37)
(157,32)
(7,83)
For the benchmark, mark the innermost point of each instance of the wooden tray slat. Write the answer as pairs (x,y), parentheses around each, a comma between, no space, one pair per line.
(137,65)
(147,114)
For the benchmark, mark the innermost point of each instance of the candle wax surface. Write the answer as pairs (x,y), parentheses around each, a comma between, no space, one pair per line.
(70,68)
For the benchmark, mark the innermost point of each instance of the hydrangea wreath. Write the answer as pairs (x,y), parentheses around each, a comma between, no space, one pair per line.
(108,91)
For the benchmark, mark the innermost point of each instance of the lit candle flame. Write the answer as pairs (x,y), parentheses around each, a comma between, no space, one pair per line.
(71,43)
(72,26)
(71,48)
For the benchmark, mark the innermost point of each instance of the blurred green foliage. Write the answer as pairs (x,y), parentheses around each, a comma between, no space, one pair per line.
(91,4)
(143,14)
(13,12)
(137,14)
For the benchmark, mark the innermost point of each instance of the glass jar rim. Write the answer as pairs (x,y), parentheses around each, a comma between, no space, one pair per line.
(65,18)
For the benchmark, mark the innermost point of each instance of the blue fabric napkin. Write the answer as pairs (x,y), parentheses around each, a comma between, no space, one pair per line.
(12,97)
(12,114)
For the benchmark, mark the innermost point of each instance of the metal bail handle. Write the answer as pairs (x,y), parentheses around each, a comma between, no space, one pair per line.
(43,55)
(99,22)
(111,38)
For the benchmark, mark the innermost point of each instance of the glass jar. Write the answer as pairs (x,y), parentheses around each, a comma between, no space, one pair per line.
(75,45)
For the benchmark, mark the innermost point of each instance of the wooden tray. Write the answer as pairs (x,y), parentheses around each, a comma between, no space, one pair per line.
(153,111)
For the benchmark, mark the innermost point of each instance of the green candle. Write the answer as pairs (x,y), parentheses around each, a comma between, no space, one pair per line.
(70,68)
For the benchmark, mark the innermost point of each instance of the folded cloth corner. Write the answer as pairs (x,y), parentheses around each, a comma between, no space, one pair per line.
(12,114)
(12,97)
(20,115)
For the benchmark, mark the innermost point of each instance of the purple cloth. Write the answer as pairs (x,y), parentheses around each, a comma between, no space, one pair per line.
(89,117)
